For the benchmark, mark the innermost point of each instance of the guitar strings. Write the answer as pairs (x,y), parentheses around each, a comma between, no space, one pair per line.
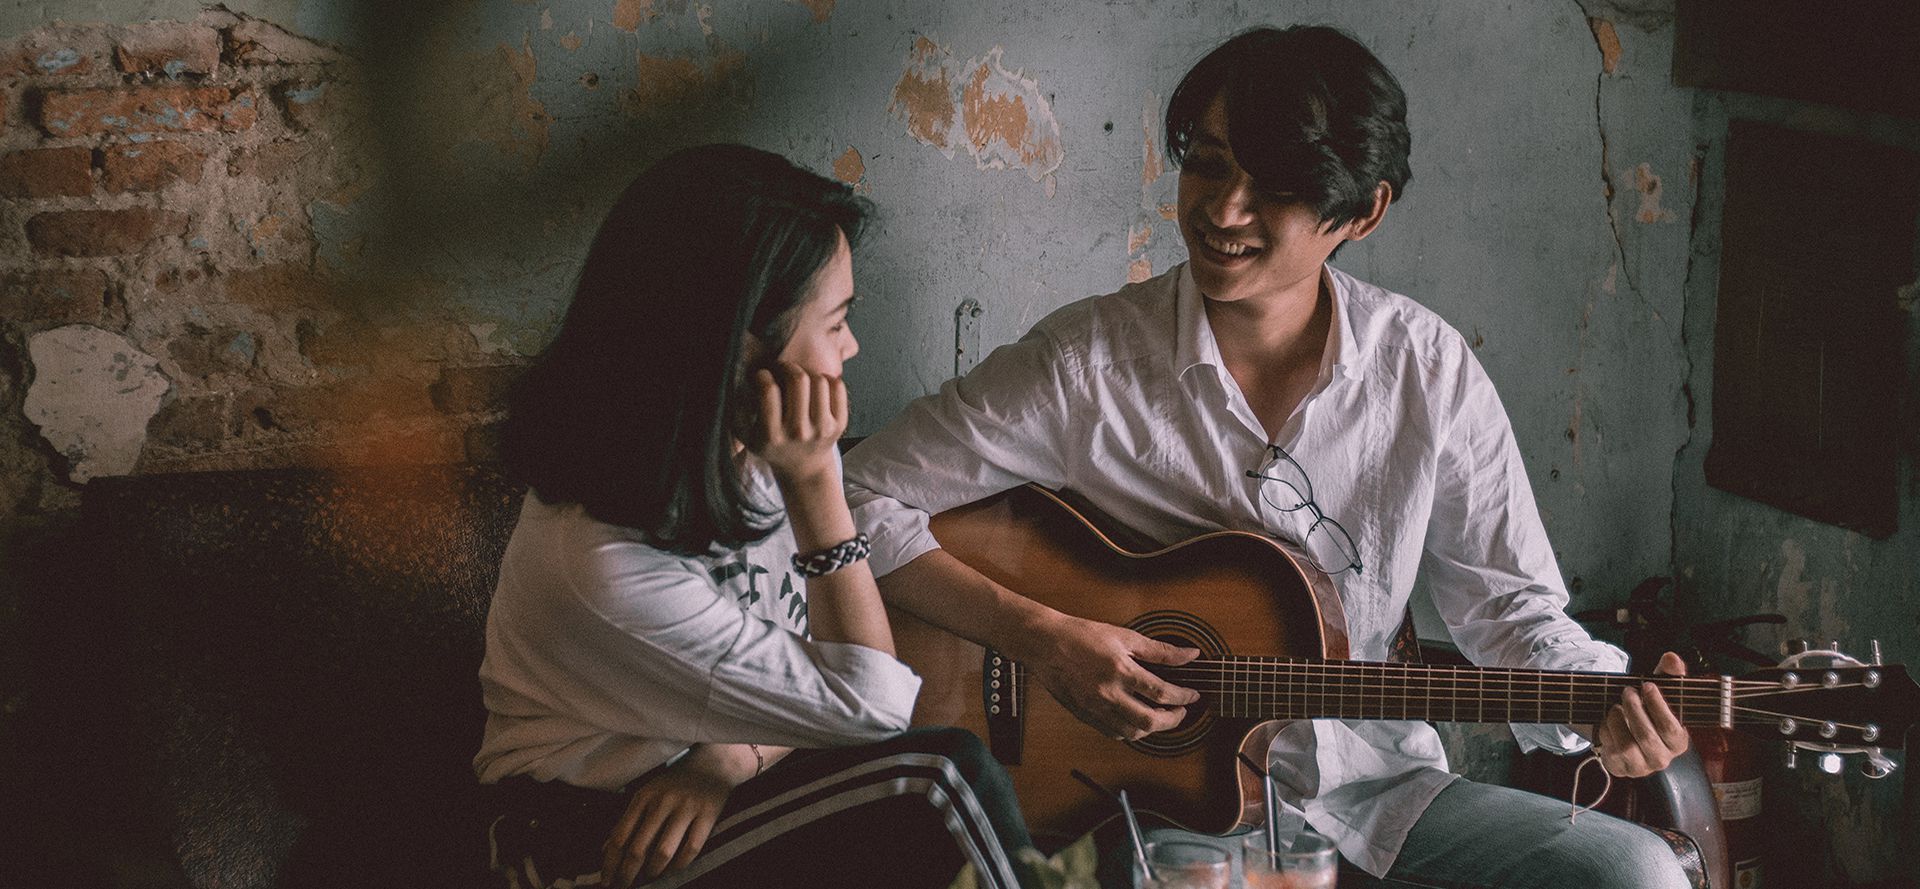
(1265,682)
(1258,664)
(1420,688)
(1587,708)
(1667,684)
(1273,671)
(1297,678)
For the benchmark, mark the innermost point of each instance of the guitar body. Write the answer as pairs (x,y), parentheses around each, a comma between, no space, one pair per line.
(1224,593)
(1273,644)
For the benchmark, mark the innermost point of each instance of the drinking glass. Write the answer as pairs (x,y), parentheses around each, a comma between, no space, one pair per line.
(1309,861)
(1186,864)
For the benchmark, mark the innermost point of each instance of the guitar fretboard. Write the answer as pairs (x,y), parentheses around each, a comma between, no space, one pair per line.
(1285,688)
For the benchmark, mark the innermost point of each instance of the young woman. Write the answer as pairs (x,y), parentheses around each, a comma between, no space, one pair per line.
(685,598)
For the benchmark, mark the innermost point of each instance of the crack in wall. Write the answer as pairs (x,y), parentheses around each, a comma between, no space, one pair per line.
(1697,178)
(1607,46)
(1600,125)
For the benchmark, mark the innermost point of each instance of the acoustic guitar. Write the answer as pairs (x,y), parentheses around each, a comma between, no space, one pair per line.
(1273,645)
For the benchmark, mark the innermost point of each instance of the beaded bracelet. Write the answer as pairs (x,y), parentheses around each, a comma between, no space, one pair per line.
(833,558)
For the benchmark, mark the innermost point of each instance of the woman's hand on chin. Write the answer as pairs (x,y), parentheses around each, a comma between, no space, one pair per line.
(802,416)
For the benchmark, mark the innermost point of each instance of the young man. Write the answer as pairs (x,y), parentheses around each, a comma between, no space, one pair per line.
(1198,400)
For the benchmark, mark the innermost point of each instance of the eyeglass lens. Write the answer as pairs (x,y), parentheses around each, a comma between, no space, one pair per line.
(1327,536)
(1284,485)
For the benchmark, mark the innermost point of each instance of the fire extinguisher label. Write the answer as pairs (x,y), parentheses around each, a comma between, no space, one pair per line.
(1737,799)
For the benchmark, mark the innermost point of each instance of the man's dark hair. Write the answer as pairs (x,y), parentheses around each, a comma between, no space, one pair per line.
(633,409)
(1310,113)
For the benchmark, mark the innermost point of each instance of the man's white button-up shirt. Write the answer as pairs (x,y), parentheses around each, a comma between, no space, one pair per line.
(1124,399)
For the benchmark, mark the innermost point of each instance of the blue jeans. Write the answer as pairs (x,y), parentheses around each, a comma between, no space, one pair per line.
(1482,836)
(1477,835)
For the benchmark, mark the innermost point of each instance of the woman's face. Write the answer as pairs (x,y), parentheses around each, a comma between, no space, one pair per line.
(822,338)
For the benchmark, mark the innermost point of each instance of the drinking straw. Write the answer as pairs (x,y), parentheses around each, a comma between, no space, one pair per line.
(1273,816)
(1133,830)
(1126,810)
(1272,797)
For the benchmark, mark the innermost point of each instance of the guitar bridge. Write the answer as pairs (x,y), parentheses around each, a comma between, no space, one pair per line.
(1003,691)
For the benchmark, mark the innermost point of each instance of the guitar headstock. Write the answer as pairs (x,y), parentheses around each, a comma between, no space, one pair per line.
(1830,703)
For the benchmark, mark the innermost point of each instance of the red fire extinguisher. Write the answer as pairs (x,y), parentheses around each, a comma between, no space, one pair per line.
(1730,759)
(1732,765)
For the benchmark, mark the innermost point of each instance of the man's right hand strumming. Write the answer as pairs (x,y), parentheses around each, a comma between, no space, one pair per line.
(1093,669)
(1096,671)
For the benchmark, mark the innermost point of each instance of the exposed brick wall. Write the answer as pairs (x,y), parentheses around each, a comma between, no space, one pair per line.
(47,173)
(150,166)
(160,182)
(102,232)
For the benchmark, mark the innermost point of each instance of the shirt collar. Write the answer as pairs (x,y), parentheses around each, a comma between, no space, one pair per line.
(1344,341)
(1194,344)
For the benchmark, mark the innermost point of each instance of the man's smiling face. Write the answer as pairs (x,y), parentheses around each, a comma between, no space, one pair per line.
(1242,241)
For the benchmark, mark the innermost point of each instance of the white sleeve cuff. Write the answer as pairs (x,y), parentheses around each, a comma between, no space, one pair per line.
(1559,739)
(899,532)
(887,686)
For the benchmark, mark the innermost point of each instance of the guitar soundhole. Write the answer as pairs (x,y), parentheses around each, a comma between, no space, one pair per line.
(1185,630)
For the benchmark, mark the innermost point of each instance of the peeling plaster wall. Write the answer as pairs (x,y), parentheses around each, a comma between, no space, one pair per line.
(359,273)
(477,161)
(1736,556)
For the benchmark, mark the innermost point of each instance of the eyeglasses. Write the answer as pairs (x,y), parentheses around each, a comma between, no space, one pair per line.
(1284,485)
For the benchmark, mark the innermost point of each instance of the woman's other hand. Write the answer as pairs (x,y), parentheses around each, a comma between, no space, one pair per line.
(669,818)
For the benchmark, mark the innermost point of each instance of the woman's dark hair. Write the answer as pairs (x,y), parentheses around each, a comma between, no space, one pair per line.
(1310,112)
(631,412)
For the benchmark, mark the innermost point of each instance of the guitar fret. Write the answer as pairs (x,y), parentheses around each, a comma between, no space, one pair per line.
(1339,697)
(1322,695)
(1249,684)
(1360,706)
(1291,695)
(1260,699)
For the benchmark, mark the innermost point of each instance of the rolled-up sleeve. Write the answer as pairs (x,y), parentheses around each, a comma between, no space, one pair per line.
(899,532)
(707,664)
(808,694)
(1494,577)
(972,439)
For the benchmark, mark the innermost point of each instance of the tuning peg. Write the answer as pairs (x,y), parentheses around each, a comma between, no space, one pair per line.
(1798,646)
(1875,651)
(1876,765)
(1830,763)
(1793,757)
(1833,645)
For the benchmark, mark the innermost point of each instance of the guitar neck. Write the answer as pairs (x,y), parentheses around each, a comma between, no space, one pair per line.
(1285,688)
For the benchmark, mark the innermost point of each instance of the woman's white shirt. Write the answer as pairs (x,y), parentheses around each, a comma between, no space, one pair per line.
(607,657)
